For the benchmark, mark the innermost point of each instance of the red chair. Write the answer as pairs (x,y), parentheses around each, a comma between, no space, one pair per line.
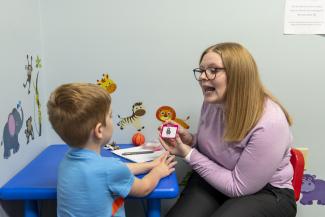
(298,164)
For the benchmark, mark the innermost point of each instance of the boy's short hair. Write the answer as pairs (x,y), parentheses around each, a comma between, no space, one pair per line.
(75,109)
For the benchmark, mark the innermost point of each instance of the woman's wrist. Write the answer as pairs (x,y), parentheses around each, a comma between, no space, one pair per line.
(185,150)
(187,158)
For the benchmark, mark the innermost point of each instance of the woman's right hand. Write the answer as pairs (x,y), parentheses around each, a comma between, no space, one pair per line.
(175,146)
(184,134)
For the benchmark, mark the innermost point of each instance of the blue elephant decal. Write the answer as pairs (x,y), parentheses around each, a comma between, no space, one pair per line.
(11,131)
(312,189)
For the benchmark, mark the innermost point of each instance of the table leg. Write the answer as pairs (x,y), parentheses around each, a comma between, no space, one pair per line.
(31,208)
(153,208)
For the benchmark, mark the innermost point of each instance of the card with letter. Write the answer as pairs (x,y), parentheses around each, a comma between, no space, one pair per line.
(169,131)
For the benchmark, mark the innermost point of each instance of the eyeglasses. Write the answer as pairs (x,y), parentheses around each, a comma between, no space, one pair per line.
(210,73)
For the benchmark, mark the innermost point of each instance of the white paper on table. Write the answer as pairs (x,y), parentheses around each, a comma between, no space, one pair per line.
(139,158)
(304,17)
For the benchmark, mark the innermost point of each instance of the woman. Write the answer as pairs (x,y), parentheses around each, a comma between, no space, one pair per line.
(240,154)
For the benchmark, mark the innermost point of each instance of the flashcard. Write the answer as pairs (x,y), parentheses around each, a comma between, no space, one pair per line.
(169,131)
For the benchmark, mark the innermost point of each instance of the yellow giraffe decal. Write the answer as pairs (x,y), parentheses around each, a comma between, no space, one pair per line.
(107,83)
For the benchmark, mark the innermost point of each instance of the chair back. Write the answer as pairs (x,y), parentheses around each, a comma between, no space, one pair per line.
(298,164)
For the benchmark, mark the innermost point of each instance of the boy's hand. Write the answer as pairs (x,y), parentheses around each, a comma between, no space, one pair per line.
(158,160)
(165,165)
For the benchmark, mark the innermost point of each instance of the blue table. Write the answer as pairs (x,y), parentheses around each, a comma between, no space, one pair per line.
(37,181)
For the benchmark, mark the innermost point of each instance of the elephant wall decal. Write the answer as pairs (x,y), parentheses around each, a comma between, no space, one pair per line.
(11,131)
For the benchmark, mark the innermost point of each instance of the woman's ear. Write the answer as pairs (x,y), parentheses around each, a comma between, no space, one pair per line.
(98,131)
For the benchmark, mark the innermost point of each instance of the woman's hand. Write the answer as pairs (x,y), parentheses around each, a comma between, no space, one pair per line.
(175,146)
(185,136)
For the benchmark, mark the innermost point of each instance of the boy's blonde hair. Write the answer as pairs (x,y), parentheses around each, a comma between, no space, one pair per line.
(245,94)
(75,109)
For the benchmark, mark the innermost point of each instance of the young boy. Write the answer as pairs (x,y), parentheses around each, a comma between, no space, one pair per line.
(88,184)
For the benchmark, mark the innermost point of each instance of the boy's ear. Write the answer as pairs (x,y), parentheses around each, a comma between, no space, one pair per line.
(98,131)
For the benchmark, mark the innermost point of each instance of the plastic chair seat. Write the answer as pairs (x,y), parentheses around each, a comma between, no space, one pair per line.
(298,164)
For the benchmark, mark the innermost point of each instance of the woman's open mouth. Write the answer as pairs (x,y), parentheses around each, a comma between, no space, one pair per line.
(208,89)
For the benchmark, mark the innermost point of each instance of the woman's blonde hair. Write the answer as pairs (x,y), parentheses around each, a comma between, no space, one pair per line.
(245,94)
(75,109)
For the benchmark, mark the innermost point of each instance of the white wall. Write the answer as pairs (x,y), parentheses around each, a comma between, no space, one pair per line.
(141,48)
(20,35)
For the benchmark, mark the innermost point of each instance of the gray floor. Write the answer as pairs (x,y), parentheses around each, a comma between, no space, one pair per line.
(2,212)
(11,208)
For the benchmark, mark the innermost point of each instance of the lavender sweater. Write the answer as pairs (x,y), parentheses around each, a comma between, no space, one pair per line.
(243,168)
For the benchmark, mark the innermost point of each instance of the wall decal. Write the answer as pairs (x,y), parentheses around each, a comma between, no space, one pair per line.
(37,100)
(29,70)
(137,112)
(38,63)
(138,139)
(312,189)
(29,132)
(107,83)
(11,131)
(165,113)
